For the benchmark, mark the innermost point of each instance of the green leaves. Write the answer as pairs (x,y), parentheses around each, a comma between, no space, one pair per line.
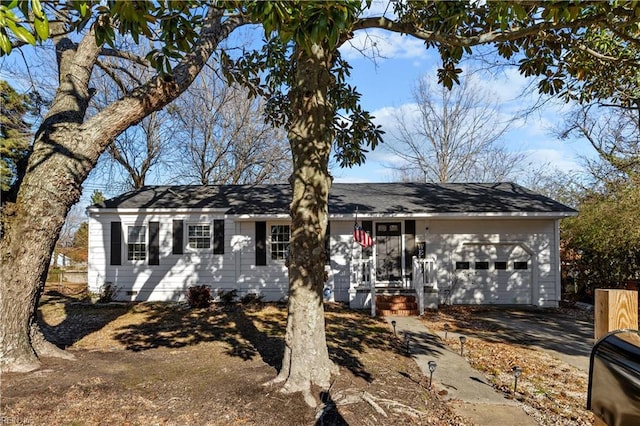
(12,26)
(174,25)
(306,23)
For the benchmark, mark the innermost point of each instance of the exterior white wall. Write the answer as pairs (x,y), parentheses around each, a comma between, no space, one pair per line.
(236,269)
(168,281)
(451,240)
(270,280)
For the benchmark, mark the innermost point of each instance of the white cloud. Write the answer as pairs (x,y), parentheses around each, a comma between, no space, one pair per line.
(555,158)
(381,45)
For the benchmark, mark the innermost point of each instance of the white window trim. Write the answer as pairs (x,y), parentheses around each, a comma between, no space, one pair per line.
(188,247)
(269,242)
(125,246)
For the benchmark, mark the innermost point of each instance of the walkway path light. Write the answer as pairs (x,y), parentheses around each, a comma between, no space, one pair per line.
(432,368)
(446,329)
(407,340)
(393,323)
(462,341)
(517,371)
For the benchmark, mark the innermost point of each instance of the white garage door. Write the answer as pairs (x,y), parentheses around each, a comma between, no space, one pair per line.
(491,274)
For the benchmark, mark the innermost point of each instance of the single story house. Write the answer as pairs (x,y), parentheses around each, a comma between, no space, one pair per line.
(460,243)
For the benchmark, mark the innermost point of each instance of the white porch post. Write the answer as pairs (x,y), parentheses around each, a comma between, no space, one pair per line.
(418,282)
(372,277)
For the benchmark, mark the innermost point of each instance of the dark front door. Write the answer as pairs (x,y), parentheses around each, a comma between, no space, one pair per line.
(388,252)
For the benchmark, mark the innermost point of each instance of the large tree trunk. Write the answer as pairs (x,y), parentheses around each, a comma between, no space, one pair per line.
(65,150)
(306,359)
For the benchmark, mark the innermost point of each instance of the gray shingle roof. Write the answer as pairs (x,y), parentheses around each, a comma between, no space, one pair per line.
(369,198)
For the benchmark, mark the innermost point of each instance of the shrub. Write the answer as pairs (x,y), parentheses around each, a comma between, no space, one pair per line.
(227,297)
(251,299)
(199,296)
(106,293)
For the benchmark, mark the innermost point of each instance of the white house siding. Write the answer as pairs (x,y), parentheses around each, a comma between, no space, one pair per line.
(341,253)
(271,280)
(531,240)
(471,240)
(168,281)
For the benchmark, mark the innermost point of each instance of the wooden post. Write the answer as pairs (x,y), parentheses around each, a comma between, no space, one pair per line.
(614,310)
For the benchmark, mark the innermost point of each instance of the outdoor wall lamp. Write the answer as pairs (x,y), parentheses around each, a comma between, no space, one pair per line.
(517,371)
(432,367)
(446,330)
(393,323)
(462,341)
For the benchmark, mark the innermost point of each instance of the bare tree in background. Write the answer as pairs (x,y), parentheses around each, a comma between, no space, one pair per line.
(225,138)
(130,158)
(142,147)
(614,132)
(454,137)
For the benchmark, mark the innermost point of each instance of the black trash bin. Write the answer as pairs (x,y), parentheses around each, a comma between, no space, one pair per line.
(614,378)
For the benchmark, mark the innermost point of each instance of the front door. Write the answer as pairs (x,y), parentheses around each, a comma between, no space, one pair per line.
(388,252)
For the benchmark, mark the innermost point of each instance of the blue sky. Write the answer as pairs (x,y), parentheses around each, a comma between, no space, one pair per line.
(387,82)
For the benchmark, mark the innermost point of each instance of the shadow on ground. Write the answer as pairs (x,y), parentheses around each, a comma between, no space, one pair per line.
(246,331)
(79,317)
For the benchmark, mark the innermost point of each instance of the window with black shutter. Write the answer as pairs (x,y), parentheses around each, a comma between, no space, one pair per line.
(218,236)
(178,236)
(154,243)
(261,243)
(116,244)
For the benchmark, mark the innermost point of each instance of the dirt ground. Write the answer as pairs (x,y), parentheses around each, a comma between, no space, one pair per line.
(165,364)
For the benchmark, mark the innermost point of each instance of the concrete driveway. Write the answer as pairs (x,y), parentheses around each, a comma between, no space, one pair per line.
(566,338)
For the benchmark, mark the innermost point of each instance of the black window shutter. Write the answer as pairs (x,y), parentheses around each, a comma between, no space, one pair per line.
(409,244)
(261,243)
(218,236)
(116,243)
(154,243)
(327,244)
(178,235)
(367,225)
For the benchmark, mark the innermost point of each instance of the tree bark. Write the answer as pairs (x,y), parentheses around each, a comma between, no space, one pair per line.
(65,150)
(306,359)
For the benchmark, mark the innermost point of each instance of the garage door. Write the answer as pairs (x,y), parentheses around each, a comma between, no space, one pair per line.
(491,274)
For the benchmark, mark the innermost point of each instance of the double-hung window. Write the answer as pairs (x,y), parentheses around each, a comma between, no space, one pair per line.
(136,243)
(280,241)
(199,236)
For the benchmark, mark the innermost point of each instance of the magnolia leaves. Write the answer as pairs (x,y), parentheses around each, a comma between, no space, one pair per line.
(11,26)
(306,23)
(175,24)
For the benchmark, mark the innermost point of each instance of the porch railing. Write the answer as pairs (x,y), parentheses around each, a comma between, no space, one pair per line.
(363,274)
(424,275)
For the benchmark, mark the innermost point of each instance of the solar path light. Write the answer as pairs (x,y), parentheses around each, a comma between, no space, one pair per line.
(462,342)
(407,341)
(432,368)
(393,323)
(517,371)
(446,330)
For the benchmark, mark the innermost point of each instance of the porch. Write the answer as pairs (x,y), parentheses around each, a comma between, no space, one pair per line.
(416,292)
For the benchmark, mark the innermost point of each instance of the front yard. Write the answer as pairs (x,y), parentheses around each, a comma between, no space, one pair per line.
(153,363)
(143,364)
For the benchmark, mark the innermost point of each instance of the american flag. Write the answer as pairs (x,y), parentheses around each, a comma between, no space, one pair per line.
(361,236)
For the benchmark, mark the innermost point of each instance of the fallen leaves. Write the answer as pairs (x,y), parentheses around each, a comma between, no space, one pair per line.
(552,392)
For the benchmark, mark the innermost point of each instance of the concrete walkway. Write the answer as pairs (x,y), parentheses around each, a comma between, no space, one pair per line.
(469,393)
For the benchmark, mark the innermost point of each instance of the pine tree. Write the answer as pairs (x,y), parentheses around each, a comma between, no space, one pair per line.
(15,133)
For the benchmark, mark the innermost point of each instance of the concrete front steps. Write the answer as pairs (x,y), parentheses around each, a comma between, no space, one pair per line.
(400,305)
